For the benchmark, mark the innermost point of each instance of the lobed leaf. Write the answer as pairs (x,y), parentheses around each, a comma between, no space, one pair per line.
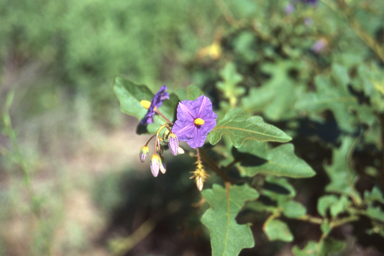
(227,237)
(240,129)
(332,93)
(229,85)
(279,161)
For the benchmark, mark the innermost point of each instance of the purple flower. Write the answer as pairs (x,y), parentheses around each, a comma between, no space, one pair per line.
(195,119)
(157,101)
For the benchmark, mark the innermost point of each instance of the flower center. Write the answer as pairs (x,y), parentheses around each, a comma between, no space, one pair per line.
(145,103)
(199,121)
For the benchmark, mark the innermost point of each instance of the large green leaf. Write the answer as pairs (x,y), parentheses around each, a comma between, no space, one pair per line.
(240,129)
(130,94)
(258,157)
(227,237)
(332,93)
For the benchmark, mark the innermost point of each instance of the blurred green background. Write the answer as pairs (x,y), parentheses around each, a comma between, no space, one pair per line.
(60,58)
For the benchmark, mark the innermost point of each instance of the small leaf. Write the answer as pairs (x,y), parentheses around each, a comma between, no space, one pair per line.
(227,237)
(309,250)
(279,161)
(324,203)
(340,206)
(374,195)
(229,85)
(240,129)
(293,209)
(277,230)
(321,248)
(325,227)
(375,213)
(193,92)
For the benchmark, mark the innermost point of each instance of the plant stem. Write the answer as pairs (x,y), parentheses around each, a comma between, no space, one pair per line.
(214,166)
(166,119)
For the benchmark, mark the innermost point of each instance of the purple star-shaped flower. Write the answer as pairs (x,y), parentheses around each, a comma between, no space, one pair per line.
(157,101)
(195,119)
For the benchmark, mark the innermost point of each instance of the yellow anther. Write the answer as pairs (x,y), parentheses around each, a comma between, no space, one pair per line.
(199,121)
(145,103)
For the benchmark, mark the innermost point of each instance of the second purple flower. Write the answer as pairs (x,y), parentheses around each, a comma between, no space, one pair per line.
(195,119)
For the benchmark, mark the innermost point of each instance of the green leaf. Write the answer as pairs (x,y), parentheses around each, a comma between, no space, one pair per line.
(229,85)
(324,203)
(321,248)
(374,195)
(276,97)
(340,206)
(332,93)
(336,205)
(309,250)
(130,94)
(278,189)
(293,209)
(375,213)
(340,173)
(193,92)
(277,230)
(227,237)
(258,157)
(240,129)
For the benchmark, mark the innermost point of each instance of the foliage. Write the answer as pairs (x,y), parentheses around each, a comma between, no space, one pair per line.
(296,156)
(273,81)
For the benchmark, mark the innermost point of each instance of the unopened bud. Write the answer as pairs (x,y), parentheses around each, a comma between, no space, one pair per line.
(146,104)
(155,164)
(199,183)
(143,153)
(173,144)
(162,165)
(180,151)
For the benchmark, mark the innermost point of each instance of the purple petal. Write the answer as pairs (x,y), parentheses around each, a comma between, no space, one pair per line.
(157,101)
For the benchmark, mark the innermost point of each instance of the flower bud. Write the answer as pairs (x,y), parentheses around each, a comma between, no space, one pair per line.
(173,144)
(199,183)
(162,165)
(155,164)
(143,153)
(180,151)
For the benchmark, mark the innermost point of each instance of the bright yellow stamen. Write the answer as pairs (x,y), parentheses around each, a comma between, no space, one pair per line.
(145,103)
(199,121)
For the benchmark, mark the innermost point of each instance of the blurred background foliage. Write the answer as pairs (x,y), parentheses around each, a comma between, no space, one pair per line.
(70,144)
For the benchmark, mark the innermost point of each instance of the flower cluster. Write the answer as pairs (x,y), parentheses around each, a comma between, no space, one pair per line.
(195,119)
